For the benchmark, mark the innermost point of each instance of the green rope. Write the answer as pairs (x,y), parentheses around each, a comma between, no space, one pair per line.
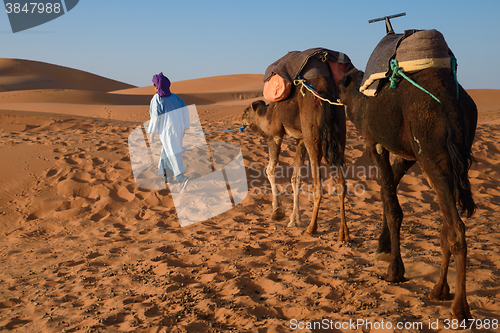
(394,80)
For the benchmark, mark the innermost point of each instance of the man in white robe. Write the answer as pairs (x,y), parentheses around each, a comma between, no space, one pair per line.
(170,118)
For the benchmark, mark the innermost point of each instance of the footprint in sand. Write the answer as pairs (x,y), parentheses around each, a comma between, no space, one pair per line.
(110,174)
(115,250)
(73,161)
(72,204)
(42,207)
(103,213)
(121,193)
(84,155)
(145,214)
(52,172)
(94,255)
(122,165)
(60,150)
(82,177)
(98,161)
(73,188)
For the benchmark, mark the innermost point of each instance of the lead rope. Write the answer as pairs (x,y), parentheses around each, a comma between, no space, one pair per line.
(303,83)
(241,129)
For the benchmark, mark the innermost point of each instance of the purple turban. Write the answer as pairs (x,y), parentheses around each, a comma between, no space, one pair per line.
(163,85)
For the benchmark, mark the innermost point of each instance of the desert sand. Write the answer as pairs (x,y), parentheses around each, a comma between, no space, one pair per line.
(85,249)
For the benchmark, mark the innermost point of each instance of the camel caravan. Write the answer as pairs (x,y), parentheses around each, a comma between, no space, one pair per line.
(408,104)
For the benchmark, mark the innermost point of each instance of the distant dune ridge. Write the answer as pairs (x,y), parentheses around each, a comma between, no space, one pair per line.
(84,248)
(18,74)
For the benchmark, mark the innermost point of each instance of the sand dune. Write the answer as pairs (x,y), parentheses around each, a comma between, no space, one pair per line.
(66,96)
(488,103)
(222,83)
(18,74)
(85,249)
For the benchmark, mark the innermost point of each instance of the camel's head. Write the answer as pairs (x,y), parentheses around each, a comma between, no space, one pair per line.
(349,85)
(256,109)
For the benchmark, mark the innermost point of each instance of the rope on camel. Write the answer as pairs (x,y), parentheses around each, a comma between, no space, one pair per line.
(397,71)
(310,87)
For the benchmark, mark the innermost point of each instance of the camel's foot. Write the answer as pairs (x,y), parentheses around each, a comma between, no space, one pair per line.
(395,272)
(344,238)
(278,214)
(310,231)
(298,224)
(440,292)
(394,278)
(460,310)
(383,256)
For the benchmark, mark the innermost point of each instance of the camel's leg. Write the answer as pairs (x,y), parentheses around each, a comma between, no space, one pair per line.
(274,152)
(314,158)
(452,240)
(296,180)
(399,169)
(310,116)
(343,231)
(441,290)
(392,211)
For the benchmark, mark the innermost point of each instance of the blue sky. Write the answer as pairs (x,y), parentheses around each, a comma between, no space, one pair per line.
(130,40)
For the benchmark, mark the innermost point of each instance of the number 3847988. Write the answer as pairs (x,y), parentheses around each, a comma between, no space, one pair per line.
(33,8)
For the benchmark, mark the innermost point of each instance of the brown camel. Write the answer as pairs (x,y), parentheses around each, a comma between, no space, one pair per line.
(410,124)
(318,128)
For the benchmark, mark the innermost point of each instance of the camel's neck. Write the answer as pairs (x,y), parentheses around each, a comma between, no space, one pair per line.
(267,122)
(355,101)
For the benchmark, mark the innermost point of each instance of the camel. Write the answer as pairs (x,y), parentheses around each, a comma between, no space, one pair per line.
(319,129)
(414,127)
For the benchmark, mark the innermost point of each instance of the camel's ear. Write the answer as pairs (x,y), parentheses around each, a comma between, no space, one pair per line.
(255,105)
(346,81)
(259,107)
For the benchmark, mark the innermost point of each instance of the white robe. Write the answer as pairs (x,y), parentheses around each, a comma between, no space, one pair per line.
(170,118)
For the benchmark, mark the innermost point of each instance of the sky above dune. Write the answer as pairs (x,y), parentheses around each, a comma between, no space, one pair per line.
(130,40)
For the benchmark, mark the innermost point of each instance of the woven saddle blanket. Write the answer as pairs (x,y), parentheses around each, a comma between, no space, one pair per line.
(307,64)
(414,50)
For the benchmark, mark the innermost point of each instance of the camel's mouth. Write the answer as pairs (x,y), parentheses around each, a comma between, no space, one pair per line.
(245,122)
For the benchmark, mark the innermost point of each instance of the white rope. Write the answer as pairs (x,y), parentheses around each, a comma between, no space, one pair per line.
(304,84)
